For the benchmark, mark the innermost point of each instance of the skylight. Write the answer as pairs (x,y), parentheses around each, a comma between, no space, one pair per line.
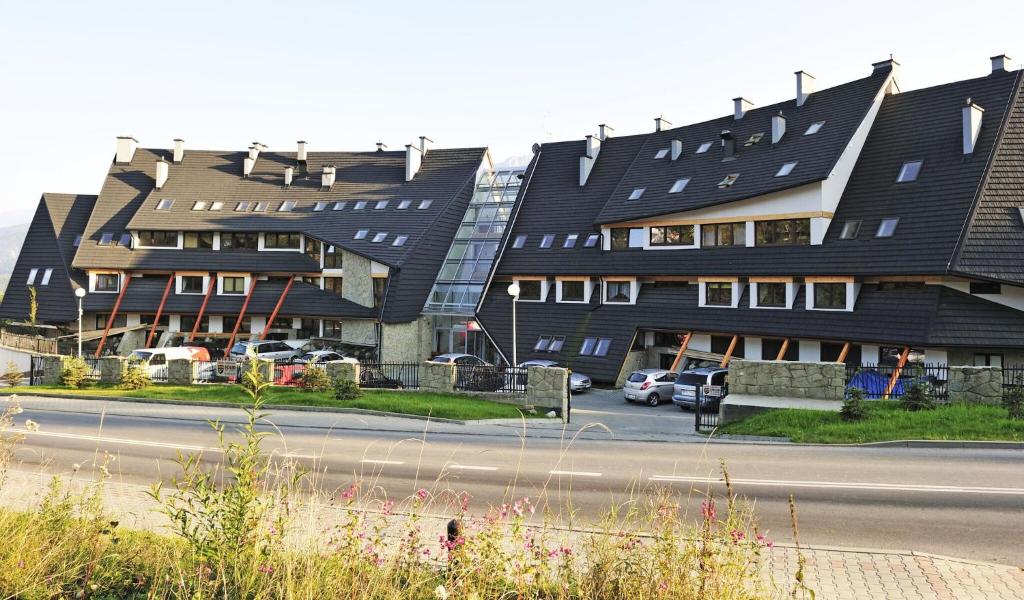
(1020,209)
(106,239)
(887,227)
(519,242)
(199,205)
(381,205)
(31,276)
(319,206)
(217,206)
(570,240)
(261,207)
(379,237)
(360,205)
(78,241)
(679,185)
(340,205)
(400,240)
(165,204)
(46,277)
(287,206)
(547,240)
(786,169)
(637,193)
(753,139)
(126,240)
(703,147)
(850,230)
(592,240)
(909,171)
(425,204)
(242,206)
(814,128)
(728,181)
(361,234)
(661,153)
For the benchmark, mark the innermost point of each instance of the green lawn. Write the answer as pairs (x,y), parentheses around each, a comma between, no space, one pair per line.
(886,421)
(410,403)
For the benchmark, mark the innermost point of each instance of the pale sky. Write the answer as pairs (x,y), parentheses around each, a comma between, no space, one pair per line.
(343,75)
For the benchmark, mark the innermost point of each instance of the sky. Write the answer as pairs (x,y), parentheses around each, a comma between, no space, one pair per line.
(344,75)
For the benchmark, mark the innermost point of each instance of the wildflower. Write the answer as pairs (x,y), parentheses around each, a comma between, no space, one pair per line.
(350,492)
(265,569)
(388,506)
(440,593)
(31,425)
(737,536)
(422,495)
(707,509)
(763,541)
(663,586)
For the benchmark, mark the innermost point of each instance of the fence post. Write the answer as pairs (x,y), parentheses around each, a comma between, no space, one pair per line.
(112,369)
(437,377)
(179,371)
(343,370)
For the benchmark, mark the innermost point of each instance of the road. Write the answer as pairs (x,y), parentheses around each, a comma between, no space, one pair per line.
(964,503)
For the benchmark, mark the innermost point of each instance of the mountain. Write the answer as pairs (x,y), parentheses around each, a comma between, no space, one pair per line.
(11,237)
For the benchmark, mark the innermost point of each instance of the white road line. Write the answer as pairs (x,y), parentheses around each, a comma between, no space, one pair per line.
(575,473)
(374,461)
(306,456)
(901,487)
(472,468)
(112,440)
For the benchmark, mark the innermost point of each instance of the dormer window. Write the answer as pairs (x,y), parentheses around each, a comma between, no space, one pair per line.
(753,139)
(850,230)
(887,227)
(547,240)
(728,181)
(425,204)
(679,185)
(661,154)
(637,193)
(320,206)
(404,204)
(909,171)
(360,205)
(704,147)
(570,240)
(592,240)
(165,204)
(379,237)
(814,128)
(786,169)
(340,205)
(519,242)
(200,205)
(381,205)
(216,206)
(261,207)
(361,234)
(126,240)
(287,206)
(242,206)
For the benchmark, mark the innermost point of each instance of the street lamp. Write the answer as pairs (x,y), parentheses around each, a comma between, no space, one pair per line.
(80,293)
(513,290)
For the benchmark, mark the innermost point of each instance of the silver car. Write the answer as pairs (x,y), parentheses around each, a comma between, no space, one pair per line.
(578,382)
(264,349)
(649,385)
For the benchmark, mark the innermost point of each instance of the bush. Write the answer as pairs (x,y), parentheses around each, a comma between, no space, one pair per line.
(135,377)
(346,389)
(75,372)
(315,379)
(1013,401)
(918,397)
(853,406)
(12,376)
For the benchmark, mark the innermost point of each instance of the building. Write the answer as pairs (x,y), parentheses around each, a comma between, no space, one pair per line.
(216,246)
(860,223)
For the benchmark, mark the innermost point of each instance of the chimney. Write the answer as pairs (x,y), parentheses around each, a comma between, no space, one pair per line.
(885,65)
(661,123)
(728,145)
(179,150)
(779,125)
(972,114)
(161,173)
(289,173)
(254,152)
(804,87)
(604,131)
(677,149)
(381,146)
(425,144)
(740,107)
(301,154)
(587,160)
(247,164)
(327,179)
(413,159)
(126,145)
(1001,62)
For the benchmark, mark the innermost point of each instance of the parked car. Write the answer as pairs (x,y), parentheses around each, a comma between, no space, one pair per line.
(578,382)
(649,385)
(457,358)
(156,359)
(485,378)
(374,377)
(684,393)
(322,356)
(265,350)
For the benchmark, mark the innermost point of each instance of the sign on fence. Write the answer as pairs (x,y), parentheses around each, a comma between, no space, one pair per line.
(227,368)
(714,391)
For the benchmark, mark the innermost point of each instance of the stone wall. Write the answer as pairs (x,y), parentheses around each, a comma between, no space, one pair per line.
(634,360)
(343,370)
(112,368)
(437,377)
(547,386)
(979,385)
(53,366)
(790,379)
(406,342)
(179,371)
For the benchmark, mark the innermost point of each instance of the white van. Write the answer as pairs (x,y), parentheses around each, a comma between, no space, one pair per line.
(156,358)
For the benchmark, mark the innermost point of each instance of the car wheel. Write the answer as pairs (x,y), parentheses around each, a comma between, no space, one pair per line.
(654,399)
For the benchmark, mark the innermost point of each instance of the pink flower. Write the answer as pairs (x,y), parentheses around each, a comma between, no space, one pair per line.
(265,569)
(421,494)
(389,505)
(350,492)
(765,541)
(737,536)
(707,509)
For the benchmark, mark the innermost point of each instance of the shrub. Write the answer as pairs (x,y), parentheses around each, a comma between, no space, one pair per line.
(346,389)
(1013,400)
(853,406)
(135,377)
(252,377)
(918,397)
(12,376)
(74,372)
(315,379)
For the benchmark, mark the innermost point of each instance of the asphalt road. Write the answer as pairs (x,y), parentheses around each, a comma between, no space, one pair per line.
(965,503)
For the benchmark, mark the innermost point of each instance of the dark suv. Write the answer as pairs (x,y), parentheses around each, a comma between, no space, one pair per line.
(685,390)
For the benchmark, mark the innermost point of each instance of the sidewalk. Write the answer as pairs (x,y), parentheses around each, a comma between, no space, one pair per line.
(833,573)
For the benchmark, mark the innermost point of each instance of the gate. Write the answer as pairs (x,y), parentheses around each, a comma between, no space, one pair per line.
(705,411)
(35,370)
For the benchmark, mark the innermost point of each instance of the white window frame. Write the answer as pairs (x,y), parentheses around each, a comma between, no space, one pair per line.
(702,293)
(92,282)
(178,285)
(545,285)
(852,290)
(46,276)
(216,205)
(32,276)
(791,291)
(588,290)
(634,289)
(165,204)
(199,205)
(220,284)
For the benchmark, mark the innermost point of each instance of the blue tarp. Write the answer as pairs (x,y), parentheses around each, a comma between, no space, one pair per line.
(874,383)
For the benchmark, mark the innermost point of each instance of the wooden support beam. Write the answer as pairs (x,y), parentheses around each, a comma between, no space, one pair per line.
(273,315)
(728,353)
(782,351)
(843,353)
(241,315)
(113,313)
(202,309)
(159,311)
(682,351)
(897,371)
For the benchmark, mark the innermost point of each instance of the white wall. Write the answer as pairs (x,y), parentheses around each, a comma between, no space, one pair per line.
(701,341)
(936,355)
(810,351)
(1011,296)
(752,348)
(868,354)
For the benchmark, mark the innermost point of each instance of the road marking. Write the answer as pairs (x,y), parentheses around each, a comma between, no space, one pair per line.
(306,456)
(472,468)
(374,461)
(112,440)
(575,473)
(901,487)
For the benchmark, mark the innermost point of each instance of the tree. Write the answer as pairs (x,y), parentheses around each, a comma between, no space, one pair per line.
(12,376)
(33,305)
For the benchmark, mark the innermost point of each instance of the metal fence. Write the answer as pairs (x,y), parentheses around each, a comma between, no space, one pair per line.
(1013,376)
(486,378)
(392,376)
(705,409)
(288,373)
(874,380)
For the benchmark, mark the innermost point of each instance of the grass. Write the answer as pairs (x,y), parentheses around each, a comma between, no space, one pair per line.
(443,406)
(885,422)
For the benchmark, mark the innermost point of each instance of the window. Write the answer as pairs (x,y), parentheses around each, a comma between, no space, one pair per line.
(379,283)
(672,235)
(985,287)
(46,277)
(771,295)
(617,291)
(191,284)
(728,180)
(400,240)
(547,240)
(261,207)
(661,153)
(107,282)
(379,237)
(159,239)
(850,230)
(232,285)
(216,206)
(126,240)
(333,258)
(887,227)
(679,185)
(637,193)
(165,204)
(703,147)
(107,239)
(198,240)
(333,285)
(188,323)
(244,327)
(234,240)
(542,344)
(381,205)
(573,291)
(782,232)
(603,345)
(592,240)
(340,205)
(360,205)
(718,294)
(627,237)
(570,240)
(332,329)
(165,319)
(425,204)
(786,169)
(530,289)
(242,206)
(909,171)
(199,205)
(988,360)
(723,234)
(404,204)
(286,206)
(519,242)
(32,277)
(121,320)
(78,240)
(814,128)
(320,206)
(830,295)
(361,234)
(587,349)
(281,241)
(753,139)
(556,344)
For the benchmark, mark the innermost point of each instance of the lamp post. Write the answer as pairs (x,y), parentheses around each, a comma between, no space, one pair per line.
(80,293)
(513,290)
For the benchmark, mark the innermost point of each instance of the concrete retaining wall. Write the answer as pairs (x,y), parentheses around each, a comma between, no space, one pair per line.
(179,371)
(437,377)
(979,385)
(346,371)
(112,369)
(547,386)
(790,379)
